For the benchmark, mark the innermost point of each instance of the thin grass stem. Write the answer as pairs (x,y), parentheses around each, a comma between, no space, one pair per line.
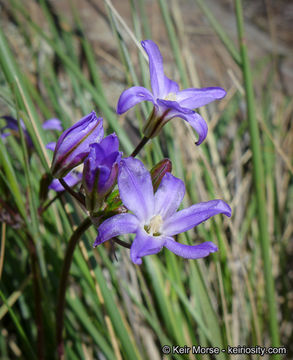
(259,181)
(63,283)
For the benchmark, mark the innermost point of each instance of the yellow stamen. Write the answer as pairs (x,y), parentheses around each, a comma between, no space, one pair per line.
(154,226)
(171,96)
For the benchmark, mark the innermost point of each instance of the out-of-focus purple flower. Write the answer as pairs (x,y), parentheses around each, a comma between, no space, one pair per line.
(155,219)
(168,101)
(12,127)
(100,171)
(73,146)
(52,124)
(71,179)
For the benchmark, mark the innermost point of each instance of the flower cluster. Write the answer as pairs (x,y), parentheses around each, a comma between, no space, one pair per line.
(146,202)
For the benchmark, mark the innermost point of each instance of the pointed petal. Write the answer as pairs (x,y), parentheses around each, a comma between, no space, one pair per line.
(74,144)
(199,125)
(110,143)
(190,252)
(186,219)
(161,85)
(193,118)
(169,196)
(156,67)
(52,124)
(115,226)
(143,245)
(195,98)
(136,189)
(133,96)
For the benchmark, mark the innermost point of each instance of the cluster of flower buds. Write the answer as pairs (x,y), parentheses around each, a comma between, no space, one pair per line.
(146,202)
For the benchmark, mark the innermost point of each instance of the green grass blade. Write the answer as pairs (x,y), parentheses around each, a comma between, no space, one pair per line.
(259,180)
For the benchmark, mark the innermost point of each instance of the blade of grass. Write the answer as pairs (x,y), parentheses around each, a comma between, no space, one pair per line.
(259,181)
(104,107)
(221,32)
(19,328)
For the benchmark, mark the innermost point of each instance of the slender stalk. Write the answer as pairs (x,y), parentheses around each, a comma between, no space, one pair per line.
(220,32)
(63,283)
(41,210)
(121,242)
(2,252)
(77,196)
(142,143)
(259,181)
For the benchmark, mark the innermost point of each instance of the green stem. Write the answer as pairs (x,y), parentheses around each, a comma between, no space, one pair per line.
(77,196)
(142,143)
(63,283)
(259,181)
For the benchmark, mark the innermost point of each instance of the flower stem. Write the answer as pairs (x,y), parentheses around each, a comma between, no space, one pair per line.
(63,283)
(259,182)
(41,209)
(121,242)
(142,143)
(77,196)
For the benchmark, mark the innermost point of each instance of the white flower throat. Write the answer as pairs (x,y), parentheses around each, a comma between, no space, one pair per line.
(153,228)
(171,97)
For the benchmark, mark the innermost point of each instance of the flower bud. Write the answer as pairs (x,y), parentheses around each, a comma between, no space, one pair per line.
(100,171)
(73,146)
(158,172)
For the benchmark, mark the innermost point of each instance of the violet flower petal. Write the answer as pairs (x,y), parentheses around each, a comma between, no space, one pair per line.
(51,145)
(133,96)
(143,245)
(100,165)
(71,180)
(193,118)
(188,251)
(186,219)
(110,143)
(52,124)
(73,144)
(12,124)
(161,85)
(195,98)
(115,226)
(169,196)
(197,122)
(135,187)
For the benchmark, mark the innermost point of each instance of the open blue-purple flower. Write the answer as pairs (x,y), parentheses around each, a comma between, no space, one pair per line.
(154,218)
(100,171)
(168,100)
(73,146)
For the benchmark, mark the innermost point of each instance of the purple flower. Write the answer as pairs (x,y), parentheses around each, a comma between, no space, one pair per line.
(100,171)
(154,218)
(52,124)
(73,145)
(12,126)
(168,101)
(71,179)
